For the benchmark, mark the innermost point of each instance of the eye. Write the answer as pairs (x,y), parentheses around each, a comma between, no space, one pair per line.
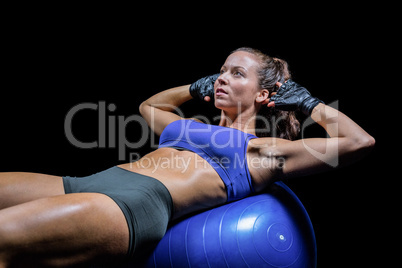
(238,73)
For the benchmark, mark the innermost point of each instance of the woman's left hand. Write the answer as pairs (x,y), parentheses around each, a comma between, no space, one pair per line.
(291,97)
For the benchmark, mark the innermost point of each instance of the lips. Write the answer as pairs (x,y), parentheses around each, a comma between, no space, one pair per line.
(220,91)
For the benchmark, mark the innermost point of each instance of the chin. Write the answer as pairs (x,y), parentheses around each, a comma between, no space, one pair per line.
(220,104)
(225,105)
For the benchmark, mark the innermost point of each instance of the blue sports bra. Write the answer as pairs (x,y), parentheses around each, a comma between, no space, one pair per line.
(222,147)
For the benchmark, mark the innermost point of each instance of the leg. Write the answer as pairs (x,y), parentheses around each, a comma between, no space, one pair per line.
(21,187)
(64,230)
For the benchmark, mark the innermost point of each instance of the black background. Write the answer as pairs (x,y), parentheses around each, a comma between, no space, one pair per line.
(55,57)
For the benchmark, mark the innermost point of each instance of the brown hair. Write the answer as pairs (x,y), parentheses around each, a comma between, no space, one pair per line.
(284,124)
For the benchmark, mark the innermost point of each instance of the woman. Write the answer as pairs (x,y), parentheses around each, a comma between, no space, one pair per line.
(49,220)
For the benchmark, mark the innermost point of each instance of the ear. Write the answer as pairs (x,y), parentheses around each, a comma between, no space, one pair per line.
(262,97)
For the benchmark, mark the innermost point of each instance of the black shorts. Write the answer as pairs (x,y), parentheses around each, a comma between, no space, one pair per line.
(145,202)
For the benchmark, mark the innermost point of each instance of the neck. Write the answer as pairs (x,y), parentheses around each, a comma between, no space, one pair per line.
(243,120)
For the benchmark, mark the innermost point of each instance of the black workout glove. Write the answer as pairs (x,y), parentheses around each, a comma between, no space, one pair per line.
(203,87)
(292,96)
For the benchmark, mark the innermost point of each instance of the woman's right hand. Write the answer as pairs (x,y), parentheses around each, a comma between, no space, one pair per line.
(203,89)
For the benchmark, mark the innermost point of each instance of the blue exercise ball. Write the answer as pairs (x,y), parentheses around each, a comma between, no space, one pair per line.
(271,229)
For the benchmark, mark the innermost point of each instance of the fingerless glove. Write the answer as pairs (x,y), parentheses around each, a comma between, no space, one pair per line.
(203,87)
(292,96)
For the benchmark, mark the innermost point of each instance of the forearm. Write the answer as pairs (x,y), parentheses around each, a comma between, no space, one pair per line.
(348,142)
(168,100)
(338,125)
(159,110)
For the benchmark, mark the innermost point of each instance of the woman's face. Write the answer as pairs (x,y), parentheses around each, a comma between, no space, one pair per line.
(237,86)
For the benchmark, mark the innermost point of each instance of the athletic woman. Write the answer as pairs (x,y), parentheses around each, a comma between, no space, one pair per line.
(113,215)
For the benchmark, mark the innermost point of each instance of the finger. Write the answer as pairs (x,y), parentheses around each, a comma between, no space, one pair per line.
(278,84)
(271,104)
(207,98)
(265,102)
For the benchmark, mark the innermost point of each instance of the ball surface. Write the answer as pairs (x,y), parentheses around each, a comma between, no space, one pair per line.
(271,229)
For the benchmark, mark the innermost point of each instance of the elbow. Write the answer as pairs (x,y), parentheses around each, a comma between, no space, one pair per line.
(364,142)
(371,142)
(368,142)
(142,108)
(356,148)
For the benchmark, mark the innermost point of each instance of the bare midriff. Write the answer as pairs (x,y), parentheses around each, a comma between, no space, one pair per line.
(191,180)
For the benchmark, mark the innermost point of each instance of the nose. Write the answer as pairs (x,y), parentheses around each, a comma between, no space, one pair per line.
(222,79)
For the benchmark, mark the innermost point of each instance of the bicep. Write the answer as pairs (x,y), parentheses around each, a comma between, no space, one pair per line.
(309,156)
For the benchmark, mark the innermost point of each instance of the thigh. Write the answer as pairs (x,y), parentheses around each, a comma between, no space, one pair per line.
(63,230)
(21,187)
